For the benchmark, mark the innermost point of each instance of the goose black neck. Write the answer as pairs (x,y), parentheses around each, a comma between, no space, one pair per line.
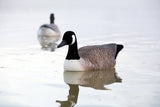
(52,18)
(73,52)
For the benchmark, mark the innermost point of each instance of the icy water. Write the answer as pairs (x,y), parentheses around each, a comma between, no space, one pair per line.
(31,77)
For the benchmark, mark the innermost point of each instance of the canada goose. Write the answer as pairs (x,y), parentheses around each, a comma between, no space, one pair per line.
(49,34)
(88,58)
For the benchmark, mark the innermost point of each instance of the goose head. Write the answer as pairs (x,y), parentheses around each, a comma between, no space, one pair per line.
(69,38)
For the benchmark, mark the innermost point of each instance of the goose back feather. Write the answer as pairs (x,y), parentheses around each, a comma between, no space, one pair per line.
(98,56)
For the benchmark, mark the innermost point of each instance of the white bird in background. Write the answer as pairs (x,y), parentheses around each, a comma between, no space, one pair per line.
(49,34)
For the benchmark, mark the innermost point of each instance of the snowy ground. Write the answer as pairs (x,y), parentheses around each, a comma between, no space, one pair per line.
(31,77)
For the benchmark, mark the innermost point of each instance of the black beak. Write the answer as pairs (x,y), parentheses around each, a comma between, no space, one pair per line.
(63,43)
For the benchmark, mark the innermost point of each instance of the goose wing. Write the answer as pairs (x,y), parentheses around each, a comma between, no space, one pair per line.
(98,53)
(98,57)
(51,26)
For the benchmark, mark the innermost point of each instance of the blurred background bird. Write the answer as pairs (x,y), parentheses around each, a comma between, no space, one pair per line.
(49,34)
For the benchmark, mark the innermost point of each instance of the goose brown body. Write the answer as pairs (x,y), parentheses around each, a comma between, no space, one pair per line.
(98,57)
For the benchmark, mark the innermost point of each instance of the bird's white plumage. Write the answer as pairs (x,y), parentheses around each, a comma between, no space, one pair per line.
(47,36)
(73,65)
(47,32)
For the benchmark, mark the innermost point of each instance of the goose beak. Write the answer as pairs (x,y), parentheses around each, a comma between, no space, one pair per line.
(63,43)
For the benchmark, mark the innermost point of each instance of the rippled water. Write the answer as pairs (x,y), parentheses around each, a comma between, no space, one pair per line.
(31,77)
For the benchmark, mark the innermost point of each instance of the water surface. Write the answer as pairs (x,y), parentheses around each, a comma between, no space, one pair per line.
(31,77)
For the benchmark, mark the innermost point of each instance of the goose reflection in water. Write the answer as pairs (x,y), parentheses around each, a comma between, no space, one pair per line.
(95,79)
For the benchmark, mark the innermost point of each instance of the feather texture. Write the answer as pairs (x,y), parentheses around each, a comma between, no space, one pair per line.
(98,57)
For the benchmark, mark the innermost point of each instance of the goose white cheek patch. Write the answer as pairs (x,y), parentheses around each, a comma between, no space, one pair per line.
(73,39)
